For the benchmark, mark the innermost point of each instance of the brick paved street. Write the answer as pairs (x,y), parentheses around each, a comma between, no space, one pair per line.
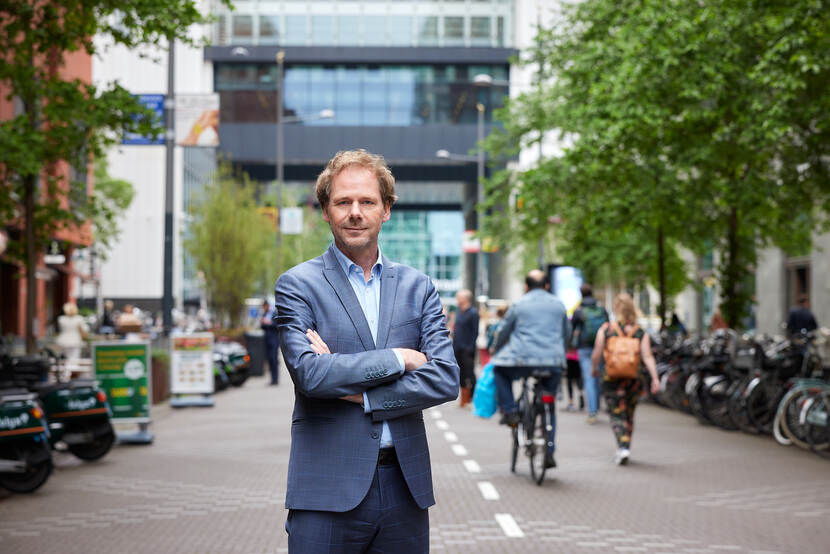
(214,481)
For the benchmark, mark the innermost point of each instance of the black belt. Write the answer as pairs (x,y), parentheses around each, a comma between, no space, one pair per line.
(387,457)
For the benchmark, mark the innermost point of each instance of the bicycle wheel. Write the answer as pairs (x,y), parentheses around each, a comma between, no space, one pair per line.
(817,427)
(538,435)
(517,433)
(715,401)
(761,406)
(514,453)
(737,407)
(790,424)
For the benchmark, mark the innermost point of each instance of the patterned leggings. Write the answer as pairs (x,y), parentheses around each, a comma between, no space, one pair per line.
(621,397)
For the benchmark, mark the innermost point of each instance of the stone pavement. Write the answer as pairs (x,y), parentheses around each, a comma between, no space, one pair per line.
(214,482)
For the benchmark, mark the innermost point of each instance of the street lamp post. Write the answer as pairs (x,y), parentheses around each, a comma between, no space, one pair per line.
(483,281)
(477,279)
(281,120)
(280,152)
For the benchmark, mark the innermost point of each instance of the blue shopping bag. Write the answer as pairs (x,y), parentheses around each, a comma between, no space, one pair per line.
(484,396)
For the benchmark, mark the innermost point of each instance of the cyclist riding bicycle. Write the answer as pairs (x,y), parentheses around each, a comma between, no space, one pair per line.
(532,338)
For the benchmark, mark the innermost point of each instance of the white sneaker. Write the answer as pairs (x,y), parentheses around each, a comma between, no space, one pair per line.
(621,458)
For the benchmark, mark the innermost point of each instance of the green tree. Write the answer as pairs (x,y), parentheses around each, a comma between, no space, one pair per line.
(108,202)
(66,120)
(683,122)
(231,242)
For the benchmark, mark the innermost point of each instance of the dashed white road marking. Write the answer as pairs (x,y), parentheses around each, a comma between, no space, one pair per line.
(488,491)
(435,414)
(450,436)
(459,450)
(441,424)
(509,526)
(471,465)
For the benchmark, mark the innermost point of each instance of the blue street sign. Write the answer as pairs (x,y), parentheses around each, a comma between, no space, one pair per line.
(154,102)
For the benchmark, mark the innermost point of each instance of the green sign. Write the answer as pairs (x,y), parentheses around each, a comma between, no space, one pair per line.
(123,369)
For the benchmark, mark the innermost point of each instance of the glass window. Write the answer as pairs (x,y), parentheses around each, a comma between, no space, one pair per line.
(295,30)
(322,30)
(269,29)
(428,30)
(480,31)
(453,31)
(348,33)
(374,30)
(500,32)
(243,28)
(399,30)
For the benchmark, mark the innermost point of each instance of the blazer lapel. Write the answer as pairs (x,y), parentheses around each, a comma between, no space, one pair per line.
(388,290)
(340,283)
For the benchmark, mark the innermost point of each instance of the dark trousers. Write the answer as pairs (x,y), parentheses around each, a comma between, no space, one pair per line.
(574,378)
(387,521)
(271,354)
(466,364)
(504,377)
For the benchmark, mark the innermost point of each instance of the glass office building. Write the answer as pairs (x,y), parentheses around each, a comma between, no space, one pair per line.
(401,80)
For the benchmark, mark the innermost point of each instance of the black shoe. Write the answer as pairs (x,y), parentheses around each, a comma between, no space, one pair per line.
(549,461)
(511,419)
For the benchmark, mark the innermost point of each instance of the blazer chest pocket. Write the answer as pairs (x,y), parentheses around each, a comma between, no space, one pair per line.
(405,334)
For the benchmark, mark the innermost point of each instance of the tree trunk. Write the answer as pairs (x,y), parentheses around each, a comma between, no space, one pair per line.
(30,182)
(661,275)
(730,306)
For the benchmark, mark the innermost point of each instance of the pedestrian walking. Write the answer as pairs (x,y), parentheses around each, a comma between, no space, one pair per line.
(624,346)
(365,343)
(272,341)
(533,337)
(464,337)
(72,330)
(801,319)
(587,320)
(573,378)
(495,326)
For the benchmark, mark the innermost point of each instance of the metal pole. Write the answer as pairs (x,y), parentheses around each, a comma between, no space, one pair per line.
(280,141)
(483,284)
(542,237)
(170,145)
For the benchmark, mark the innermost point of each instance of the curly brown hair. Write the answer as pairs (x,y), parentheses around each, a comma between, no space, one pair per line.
(362,158)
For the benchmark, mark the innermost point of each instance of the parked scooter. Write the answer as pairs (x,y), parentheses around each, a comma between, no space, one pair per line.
(77,412)
(231,364)
(25,454)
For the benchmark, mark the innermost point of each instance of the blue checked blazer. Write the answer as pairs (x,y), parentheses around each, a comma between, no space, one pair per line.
(334,444)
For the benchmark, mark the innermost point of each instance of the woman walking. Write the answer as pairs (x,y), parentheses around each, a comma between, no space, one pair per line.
(623,345)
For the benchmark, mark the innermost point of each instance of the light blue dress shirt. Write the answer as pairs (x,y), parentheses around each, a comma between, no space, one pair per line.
(368,295)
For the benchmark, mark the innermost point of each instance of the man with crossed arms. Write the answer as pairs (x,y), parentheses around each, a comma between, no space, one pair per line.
(365,343)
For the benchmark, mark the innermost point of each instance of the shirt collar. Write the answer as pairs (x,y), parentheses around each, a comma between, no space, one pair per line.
(346,264)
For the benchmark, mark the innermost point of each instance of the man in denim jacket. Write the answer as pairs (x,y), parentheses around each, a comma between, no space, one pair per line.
(532,338)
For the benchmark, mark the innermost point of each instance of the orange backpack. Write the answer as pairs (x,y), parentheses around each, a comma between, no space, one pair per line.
(621,353)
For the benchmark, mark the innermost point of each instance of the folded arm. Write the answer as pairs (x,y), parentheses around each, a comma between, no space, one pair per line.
(432,383)
(330,375)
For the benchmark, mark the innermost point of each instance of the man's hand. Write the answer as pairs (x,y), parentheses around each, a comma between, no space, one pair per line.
(412,359)
(356,398)
(316,342)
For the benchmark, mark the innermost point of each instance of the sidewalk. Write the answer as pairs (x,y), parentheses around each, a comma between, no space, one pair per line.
(214,482)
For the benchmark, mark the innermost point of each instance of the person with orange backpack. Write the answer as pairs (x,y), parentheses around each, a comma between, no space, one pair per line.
(623,346)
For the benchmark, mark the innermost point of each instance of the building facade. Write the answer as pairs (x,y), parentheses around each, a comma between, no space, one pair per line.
(403,79)
(55,271)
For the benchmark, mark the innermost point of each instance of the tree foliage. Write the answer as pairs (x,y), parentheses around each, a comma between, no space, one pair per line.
(231,242)
(683,123)
(109,200)
(63,119)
